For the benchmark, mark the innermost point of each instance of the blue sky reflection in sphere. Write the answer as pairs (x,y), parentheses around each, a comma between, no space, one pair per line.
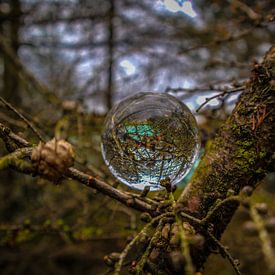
(150,137)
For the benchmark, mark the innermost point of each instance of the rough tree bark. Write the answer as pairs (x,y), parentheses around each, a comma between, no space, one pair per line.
(240,155)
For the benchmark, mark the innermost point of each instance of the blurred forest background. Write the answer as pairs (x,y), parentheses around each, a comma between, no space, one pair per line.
(64,63)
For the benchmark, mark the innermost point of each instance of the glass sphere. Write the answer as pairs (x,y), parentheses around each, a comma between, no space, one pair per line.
(150,137)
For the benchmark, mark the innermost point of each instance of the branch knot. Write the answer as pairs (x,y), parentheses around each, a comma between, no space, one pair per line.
(52,159)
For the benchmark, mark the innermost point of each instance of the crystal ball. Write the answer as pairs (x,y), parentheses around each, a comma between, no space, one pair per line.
(150,137)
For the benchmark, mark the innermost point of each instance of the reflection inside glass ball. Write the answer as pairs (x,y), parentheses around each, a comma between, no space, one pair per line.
(150,137)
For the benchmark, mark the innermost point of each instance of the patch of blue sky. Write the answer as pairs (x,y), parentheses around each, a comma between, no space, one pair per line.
(128,67)
(175,6)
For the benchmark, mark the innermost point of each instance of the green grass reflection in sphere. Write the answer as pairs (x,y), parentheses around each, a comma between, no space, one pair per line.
(150,137)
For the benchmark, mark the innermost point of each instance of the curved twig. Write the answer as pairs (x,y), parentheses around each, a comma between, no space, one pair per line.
(29,124)
(127,249)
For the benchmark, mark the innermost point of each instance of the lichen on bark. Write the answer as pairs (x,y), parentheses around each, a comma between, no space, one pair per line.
(240,155)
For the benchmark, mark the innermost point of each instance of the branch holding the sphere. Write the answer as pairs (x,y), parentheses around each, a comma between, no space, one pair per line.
(141,204)
(19,159)
(239,156)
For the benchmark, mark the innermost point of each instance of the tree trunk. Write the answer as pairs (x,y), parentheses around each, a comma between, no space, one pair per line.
(110,46)
(11,28)
(239,156)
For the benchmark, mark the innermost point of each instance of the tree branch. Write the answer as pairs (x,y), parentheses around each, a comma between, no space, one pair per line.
(137,203)
(15,162)
(239,156)
(29,124)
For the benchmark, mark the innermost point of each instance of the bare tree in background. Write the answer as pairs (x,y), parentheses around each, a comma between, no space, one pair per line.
(10,28)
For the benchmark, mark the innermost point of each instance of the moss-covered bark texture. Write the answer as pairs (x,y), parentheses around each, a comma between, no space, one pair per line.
(240,155)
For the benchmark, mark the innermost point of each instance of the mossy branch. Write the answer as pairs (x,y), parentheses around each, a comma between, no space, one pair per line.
(240,155)
(14,161)
(127,249)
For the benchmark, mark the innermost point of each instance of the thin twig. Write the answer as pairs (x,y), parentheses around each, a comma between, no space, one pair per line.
(110,191)
(211,87)
(239,89)
(266,243)
(192,220)
(9,137)
(29,124)
(206,222)
(144,258)
(12,121)
(224,251)
(211,213)
(185,244)
(231,37)
(127,249)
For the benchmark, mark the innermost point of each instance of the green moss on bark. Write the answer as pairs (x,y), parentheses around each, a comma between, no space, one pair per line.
(240,155)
